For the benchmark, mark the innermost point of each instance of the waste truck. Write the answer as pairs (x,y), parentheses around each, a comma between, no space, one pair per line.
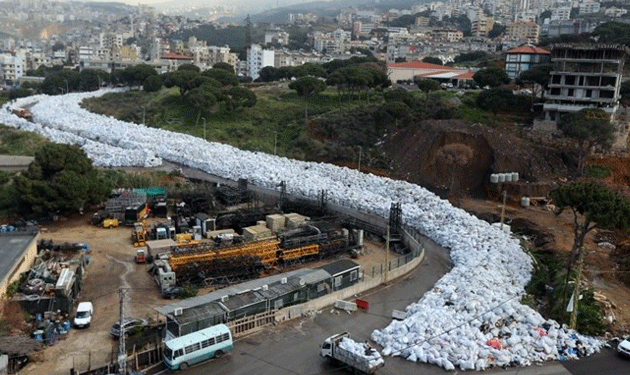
(360,357)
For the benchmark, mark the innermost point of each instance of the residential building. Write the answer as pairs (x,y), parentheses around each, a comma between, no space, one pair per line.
(110,40)
(12,67)
(422,21)
(277,37)
(615,12)
(528,32)
(561,13)
(520,59)
(447,35)
(481,26)
(584,77)
(294,58)
(587,7)
(258,58)
(557,28)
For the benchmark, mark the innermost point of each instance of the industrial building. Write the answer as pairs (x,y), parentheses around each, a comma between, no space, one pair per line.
(584,77)
(18,251)
(266,294)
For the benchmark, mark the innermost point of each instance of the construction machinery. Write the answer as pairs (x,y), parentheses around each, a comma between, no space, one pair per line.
(23,113)
(139,234)
(110,223)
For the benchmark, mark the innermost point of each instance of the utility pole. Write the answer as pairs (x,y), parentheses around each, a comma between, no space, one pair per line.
(503,209)
(576,292)
(360,152)
(275,142)
(204,128)
(122,351)
(386,255)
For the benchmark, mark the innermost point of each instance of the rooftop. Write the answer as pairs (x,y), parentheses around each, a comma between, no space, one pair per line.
(416,64)
(340,266)
(529,49)
(12,248)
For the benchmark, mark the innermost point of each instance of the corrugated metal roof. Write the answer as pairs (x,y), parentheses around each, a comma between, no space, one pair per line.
(315,276)
(238,301)
(340,266)
(200,312)
(231,290)
(527,49)
(418,65)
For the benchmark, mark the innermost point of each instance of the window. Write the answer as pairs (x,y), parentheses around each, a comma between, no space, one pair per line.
(338,281)
(219,339)
(207,343)
(277,305)
(354,275)
(226,336)
(321,287)
(296,296)
(570,92)
(326,346)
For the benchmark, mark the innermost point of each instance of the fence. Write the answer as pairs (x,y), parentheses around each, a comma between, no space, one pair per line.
(250,324)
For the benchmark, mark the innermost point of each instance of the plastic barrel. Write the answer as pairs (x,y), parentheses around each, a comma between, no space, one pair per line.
(501,177)
(494,178)
(66,325)
(508,177)
(515,176)
(525,202)
(38,335)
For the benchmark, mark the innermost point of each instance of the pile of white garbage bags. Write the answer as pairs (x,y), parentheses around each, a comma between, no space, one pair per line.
(471,319)
(362,350)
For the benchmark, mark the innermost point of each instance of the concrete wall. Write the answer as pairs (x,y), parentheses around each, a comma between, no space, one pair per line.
(23,265)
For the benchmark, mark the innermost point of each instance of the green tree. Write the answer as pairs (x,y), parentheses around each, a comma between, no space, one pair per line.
(497,30)
(152,84)
(223,76)
(224,66)
(307,87)
(495,100)
(136,75)
(433,60)
(192,67)
(493,77)
(589,127)
(427,85)
(240,97)
(268,74)
(309,69)
(538,76)
(203,100)
(180,78)
(593,206)
(60,179)
(470,56)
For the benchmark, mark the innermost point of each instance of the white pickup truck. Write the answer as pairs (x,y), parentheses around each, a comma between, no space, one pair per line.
(360,357)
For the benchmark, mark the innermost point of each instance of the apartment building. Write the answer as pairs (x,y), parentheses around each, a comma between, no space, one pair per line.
(528,32)
(587,7)
(520,59)
(258,58)
(583,77)
(12,67)
(481,26)
(447,35)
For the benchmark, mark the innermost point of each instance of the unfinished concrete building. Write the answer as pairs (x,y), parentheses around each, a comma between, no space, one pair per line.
(584,76)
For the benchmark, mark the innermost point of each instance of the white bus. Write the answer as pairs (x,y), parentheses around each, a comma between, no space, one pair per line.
(184,351)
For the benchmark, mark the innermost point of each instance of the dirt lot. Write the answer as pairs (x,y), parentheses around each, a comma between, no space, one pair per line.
(112,266)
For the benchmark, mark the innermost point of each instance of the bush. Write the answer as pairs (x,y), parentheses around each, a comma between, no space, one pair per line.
(187,291)
(598,171)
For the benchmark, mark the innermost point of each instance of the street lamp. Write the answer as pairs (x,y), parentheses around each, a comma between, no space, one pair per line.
(67,90)
(204,128)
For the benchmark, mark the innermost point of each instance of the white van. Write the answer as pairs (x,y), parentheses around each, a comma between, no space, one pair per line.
(83,317)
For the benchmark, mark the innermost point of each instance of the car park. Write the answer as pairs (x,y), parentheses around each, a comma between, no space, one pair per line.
(130,326)
(83,316)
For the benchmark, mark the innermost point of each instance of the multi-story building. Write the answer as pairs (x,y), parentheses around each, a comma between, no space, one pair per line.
(561,13)
(589,7)
(615,12)
(520,59)
(276,37)
(528,32)
(258,58)
(12,67)
(583,77)
(447,35)
(481,26)
(294,58)
(110,40)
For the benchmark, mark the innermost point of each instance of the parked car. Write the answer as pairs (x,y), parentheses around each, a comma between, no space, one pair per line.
(171,292)
(130,325)
(623,348)
(83,316)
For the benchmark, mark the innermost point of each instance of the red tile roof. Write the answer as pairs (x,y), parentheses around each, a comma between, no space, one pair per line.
(416,64)
(174,56)
(468,75)
(529,50)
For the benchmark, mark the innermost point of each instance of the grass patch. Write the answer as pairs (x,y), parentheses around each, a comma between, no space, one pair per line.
(19,142)
(598,171)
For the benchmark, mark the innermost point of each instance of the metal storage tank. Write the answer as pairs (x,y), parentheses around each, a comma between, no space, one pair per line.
(525,202)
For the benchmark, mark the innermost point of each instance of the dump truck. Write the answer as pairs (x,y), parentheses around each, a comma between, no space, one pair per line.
(360,357)
(24,113)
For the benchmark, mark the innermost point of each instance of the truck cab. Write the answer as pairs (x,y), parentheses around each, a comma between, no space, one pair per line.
(327,348)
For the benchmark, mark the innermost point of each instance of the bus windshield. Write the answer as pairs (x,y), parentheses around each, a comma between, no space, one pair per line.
(168,353)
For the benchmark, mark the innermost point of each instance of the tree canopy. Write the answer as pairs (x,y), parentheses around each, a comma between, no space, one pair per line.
(589,127)
(432,60)
(307,87)
(492,77)
(60,179)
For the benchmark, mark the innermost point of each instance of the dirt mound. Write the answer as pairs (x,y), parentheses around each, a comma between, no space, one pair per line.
(417,156)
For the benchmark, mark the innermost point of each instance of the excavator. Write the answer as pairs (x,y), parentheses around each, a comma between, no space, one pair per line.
(139,234)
